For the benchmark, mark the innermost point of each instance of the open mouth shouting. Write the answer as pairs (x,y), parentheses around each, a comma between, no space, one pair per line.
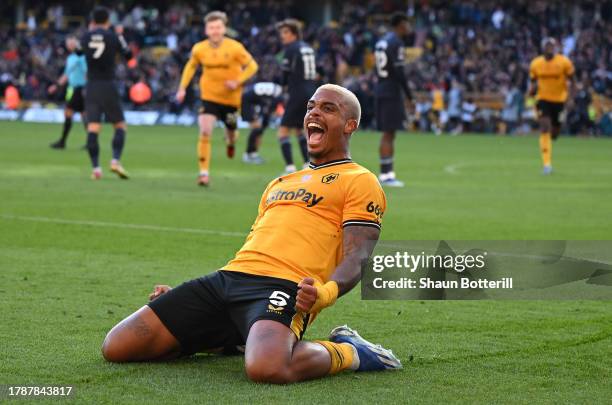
(316,132)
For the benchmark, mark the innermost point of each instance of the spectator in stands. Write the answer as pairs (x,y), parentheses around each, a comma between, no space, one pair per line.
(468,115)
(439,116)
(363,89)
(423,115)
(578,118)
(481,44)
(454,108)
(513,107)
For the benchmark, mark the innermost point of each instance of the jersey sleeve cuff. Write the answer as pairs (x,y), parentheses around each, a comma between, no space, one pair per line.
(361,222)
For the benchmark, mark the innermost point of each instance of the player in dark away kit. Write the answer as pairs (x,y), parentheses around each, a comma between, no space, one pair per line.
(258,104)
(101,46)
(390,108)
(299,73)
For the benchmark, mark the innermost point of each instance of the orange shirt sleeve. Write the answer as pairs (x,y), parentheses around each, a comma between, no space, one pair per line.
(242,55)
(190,67)
(246,61)
(365,202)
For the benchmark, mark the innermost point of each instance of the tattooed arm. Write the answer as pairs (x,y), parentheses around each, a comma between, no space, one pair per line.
(358,244)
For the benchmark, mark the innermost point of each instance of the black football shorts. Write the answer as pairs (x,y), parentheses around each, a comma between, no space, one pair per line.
(226,113)
(102,97)
(253,112)
(295,110)
(390,114)
(550,109)
(249,111)
(218,310)
(77,100)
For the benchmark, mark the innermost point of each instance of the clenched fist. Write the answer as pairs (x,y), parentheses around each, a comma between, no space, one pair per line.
(159,290)
(313,296)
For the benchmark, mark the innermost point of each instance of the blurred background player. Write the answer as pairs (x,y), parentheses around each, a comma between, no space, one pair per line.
(75,74)
(437,108)
(455,108)
(390,103)
(226,65)
(549,75)
(299,73)
(259,102)
(468,114)
(101,46)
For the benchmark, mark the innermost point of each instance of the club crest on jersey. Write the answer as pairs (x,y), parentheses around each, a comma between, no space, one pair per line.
(328,178)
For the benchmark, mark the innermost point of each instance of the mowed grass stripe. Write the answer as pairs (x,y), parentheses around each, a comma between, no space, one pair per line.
(122,226)
(66,284)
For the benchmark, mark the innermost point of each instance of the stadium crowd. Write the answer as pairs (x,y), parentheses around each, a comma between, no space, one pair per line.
(485,46)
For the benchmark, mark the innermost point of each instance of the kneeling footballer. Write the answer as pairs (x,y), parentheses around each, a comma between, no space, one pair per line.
(314,230)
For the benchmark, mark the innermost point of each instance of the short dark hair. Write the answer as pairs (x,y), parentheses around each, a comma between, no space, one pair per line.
(397,18)
(292,25)
(100,15)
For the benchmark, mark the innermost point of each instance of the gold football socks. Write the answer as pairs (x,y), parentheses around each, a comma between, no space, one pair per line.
(204,153)
(342,355)
(546,148)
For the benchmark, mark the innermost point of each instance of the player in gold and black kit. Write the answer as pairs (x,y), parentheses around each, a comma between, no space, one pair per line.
(314,230)
(226,65)
(549,75)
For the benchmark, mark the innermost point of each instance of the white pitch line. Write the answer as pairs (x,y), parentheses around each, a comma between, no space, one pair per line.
(452,169)
(124,226)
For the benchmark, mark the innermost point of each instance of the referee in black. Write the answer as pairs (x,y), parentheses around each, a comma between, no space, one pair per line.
(101,45)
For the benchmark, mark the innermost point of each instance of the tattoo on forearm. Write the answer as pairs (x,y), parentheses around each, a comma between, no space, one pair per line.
(359,241)
(358,244)
(364,264)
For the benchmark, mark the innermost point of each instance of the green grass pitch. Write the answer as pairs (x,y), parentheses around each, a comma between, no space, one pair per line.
(76,256)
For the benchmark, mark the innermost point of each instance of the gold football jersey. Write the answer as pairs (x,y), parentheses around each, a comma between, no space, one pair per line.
(219,64)
(299,227)
(552,77)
